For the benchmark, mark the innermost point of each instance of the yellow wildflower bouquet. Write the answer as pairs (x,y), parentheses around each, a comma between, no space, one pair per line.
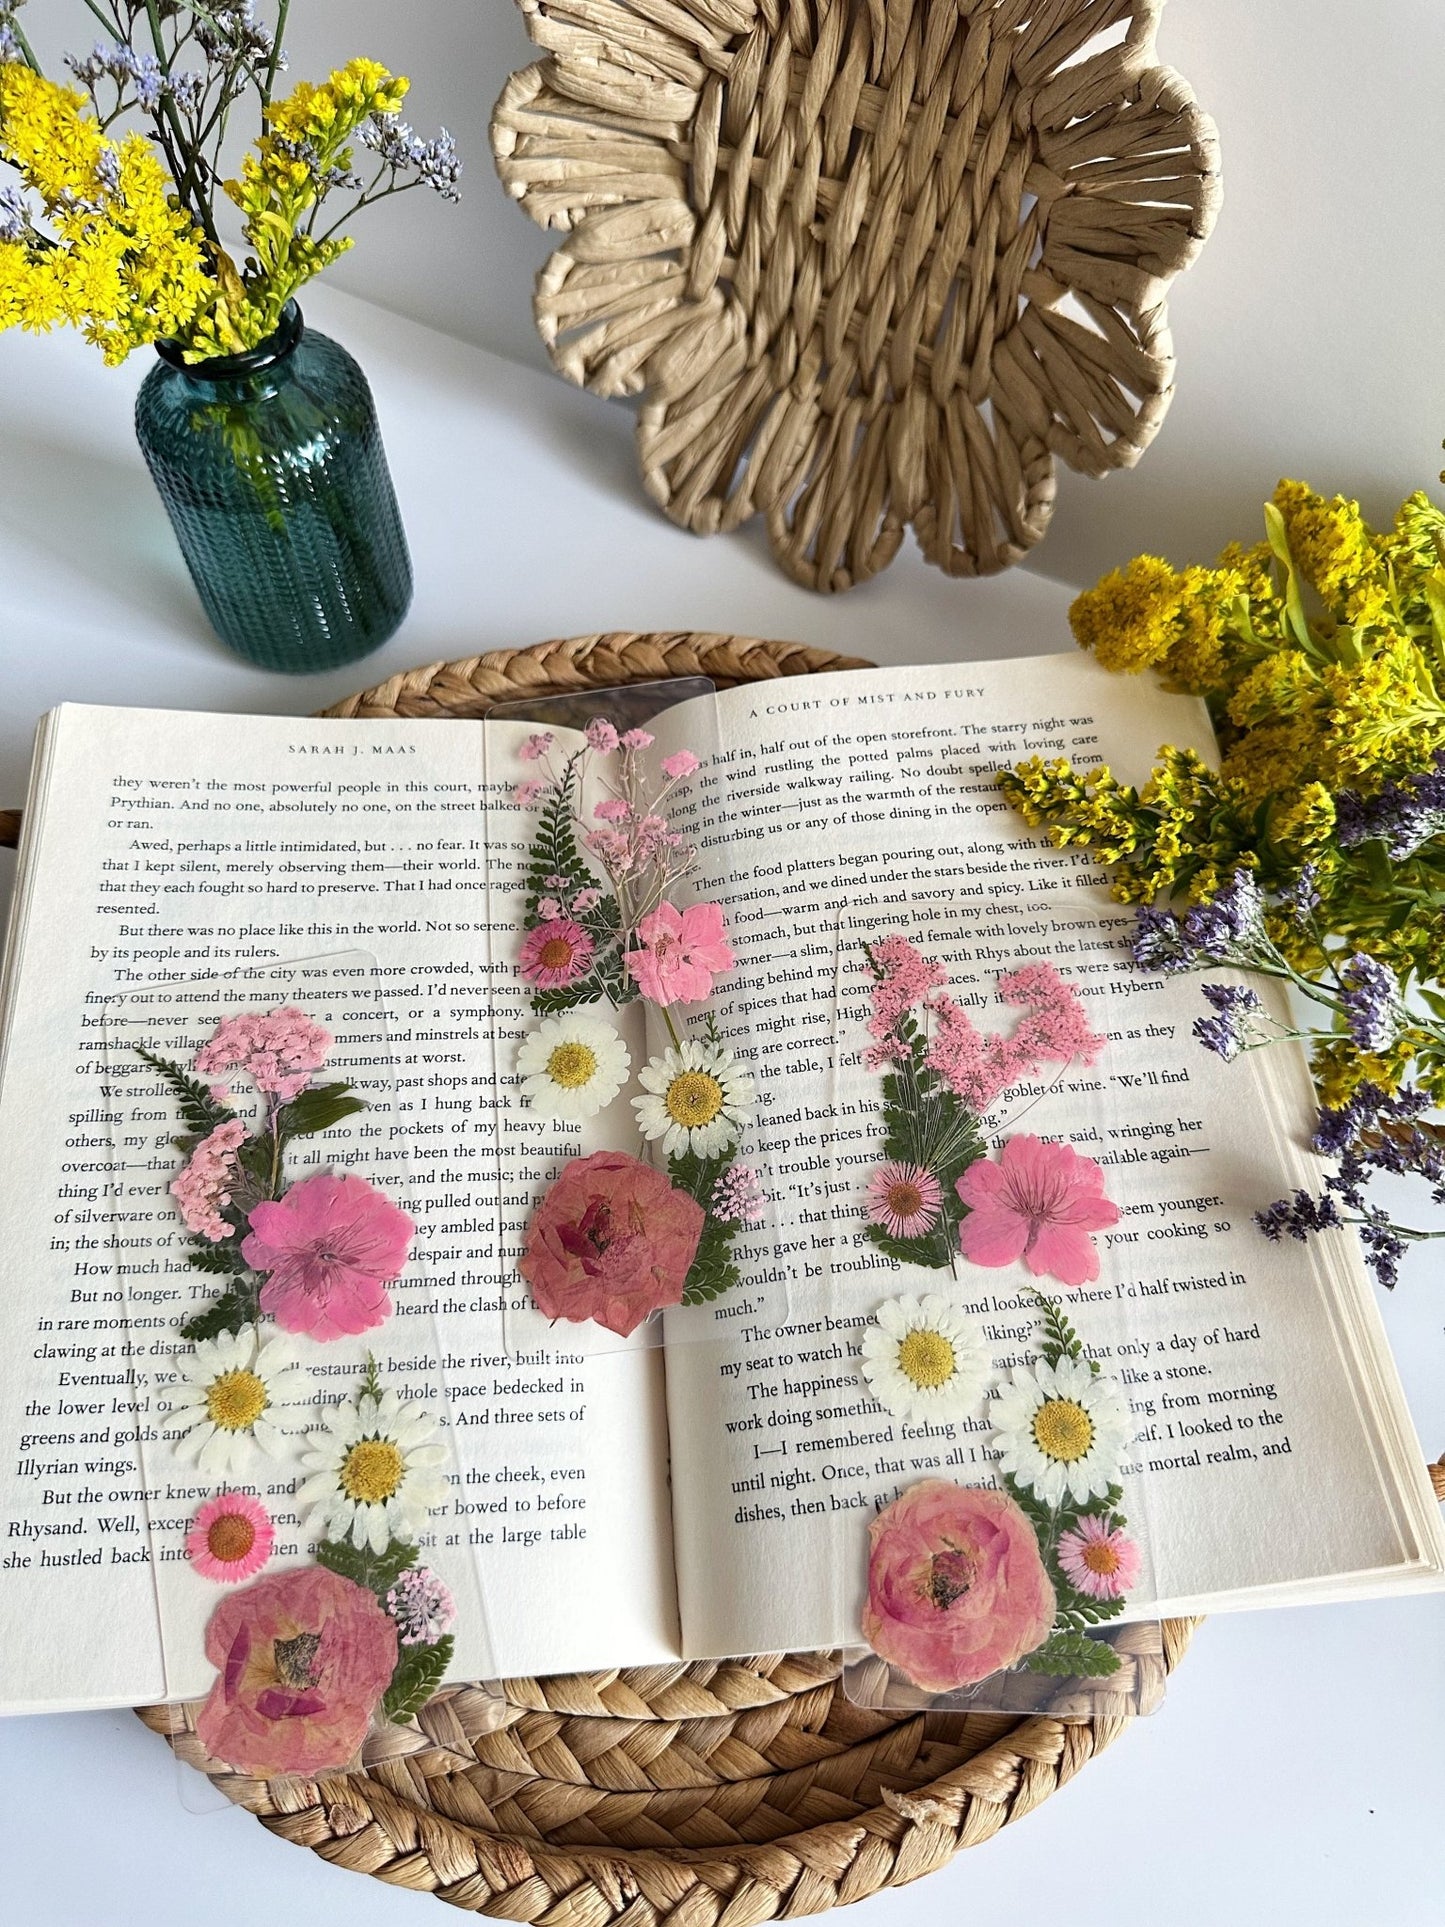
(123,237)
(1315,852)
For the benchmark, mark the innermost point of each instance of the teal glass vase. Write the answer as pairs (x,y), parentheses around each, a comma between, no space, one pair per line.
(272,471)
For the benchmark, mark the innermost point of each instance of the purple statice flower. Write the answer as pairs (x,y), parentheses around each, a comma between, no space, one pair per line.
(738,1197)
(1301,899)
(1298,1216)
(186,89)
(1158,942)
(1231,926)
(14,217)
(1228,1031)
(9,42)
(107,170)
(1370,1000)
(435,163)
(233,30)
(1384,1248)
(1402,815)
(122,64)
(422,1606)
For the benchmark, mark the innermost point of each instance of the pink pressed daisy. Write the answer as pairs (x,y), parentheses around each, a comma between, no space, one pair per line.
(556,953)
(1102,1563)
(230,1538)
(905,1199)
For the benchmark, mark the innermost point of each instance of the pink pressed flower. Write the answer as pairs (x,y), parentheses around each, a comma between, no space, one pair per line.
(555,954)
(904,1199)
(302,1659)
(554,883)
(613,849)
(220,1093)
(1039,1203)
(904,977)
(601,736)
(638,739)
(528,793)
(956,1587)
(230,1537)
(422,1606)
(682,764)
(1102,1563)
(549,910)
(331,1245)
(536,747)
(585,900)
(612,1240)
(738,1196)
(979,1067)
(203,1189)
(611,809)
(277,1049)
(684,951)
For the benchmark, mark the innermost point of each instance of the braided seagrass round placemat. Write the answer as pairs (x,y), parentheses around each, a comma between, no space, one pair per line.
(717,1794)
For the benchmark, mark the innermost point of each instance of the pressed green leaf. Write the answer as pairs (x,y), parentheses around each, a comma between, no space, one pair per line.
(228,1313)
(377,1571)
(199,1109)
(1074,1656)
(419,1672)
(317,1110)
(225,1259)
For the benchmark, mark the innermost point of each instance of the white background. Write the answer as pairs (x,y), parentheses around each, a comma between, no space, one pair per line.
(1294,1772)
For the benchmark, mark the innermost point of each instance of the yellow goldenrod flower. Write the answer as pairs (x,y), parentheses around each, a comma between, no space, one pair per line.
(1130,619)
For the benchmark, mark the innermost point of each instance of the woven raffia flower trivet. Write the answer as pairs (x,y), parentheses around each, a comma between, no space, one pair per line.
(869,263)
(713,1795)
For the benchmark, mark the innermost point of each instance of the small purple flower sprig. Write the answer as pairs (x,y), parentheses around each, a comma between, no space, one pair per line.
(1372,1042)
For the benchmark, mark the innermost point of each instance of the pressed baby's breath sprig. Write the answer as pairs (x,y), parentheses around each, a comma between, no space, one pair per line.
(1315,852)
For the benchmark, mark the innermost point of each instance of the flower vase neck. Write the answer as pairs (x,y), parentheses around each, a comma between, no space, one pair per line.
(266,354)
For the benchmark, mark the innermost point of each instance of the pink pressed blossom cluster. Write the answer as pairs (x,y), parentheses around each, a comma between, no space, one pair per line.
(680,953)
(277,1049)
(978,1066)
(203,1189)
(422,1606)
(738,1196)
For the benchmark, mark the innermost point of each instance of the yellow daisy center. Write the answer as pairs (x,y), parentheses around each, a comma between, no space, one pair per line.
(230,1538)
(926,1359)
(371,1471)
(572,1065)
(693,1098)
(1100,1557)
(1063,1430)
(235,1401)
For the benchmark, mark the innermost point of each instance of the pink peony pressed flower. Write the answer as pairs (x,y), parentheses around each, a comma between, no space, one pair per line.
(956,1587)
(202,1190)
(277,1049)
(683,951)
(612,1240)
(1040,1202)
(1102,1563)
(904,1199)
(303,1658)
(330,1246)
(601,736)
(230,1537)
(684,763)
(555,954)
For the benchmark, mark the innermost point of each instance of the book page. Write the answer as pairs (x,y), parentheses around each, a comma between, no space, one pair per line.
(1266,1455)
(165,846)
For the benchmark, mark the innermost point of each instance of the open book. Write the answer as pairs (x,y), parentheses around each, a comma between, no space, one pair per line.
(702,1498)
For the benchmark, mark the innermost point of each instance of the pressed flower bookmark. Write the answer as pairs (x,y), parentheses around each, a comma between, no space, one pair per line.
(1004,1597)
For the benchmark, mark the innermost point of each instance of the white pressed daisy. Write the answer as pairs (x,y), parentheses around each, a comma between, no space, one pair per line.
(228,1397)
(373,1471)
(1061,1429)
(572,1066)
(699,1099)
(924,1359)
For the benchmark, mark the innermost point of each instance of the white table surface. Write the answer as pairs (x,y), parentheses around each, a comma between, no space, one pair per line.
(1294,1774)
